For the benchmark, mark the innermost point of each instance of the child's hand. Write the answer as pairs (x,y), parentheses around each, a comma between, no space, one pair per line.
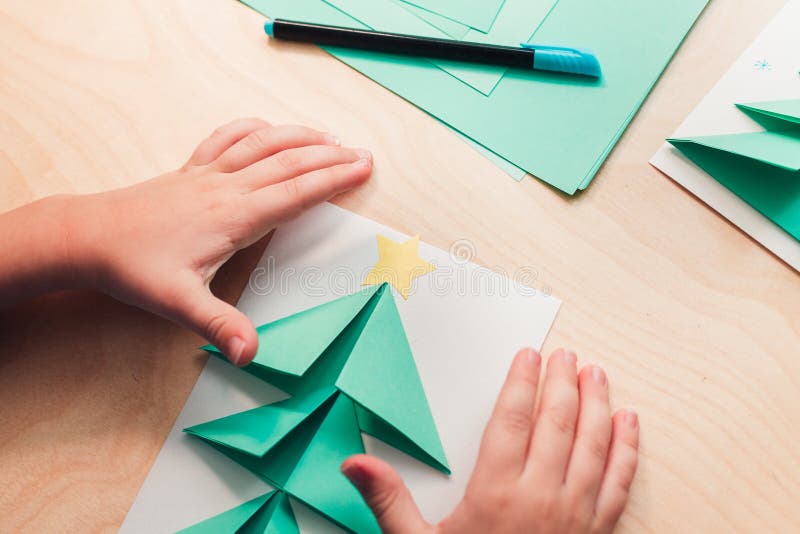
(158,244)
(565,467)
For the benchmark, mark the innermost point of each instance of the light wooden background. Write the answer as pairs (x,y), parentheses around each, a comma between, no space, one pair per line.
(697,326)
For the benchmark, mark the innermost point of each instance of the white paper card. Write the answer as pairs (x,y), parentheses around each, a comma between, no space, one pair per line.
(768,70)
(464,324)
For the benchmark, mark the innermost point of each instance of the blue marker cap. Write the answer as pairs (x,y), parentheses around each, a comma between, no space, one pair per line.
(269,27)
(563,59)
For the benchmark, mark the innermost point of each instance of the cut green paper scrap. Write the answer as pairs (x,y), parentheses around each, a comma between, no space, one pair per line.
(478,14)
(349,369)
(762,168)
(268,514)
(558,128)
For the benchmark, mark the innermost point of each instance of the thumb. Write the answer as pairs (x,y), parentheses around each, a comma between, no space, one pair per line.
(221,324)
(385,494)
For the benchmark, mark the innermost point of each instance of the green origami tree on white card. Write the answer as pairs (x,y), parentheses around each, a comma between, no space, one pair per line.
(349,369)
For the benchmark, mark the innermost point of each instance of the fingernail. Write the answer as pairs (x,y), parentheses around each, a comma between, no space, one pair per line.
(235,350)
(570,357)
(331,139)
(364,154)
(631,419)
(533,357)
(598,375)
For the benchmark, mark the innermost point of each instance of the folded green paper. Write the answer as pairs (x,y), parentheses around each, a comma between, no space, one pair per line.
(762,168)
(478,14)
(349,369)
(268,514)
(558,128)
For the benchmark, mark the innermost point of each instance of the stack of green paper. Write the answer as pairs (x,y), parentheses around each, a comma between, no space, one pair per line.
(559,128)
(762,168)
(349,369)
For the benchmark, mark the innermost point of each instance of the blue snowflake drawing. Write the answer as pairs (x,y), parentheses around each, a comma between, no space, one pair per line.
(762,64)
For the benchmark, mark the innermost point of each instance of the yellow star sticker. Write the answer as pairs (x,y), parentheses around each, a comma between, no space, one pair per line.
(399,264)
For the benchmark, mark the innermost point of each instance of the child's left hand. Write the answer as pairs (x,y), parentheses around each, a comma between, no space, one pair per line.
(158,244)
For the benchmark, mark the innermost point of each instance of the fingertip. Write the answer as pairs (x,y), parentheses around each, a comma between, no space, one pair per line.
(561,355)
(362,470)
(626,427)
(235,350)
(592,374)
(242,346)
(563,363)
(529,356)
(364,165)
(353,469)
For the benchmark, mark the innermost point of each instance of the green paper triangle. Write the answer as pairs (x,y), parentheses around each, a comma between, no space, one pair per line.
(277,465)
(773,191)
(291,344)
(382,377)
(378,428)
(256,431)
(317,479)
(326,370)
(275,517)
(264,514)
(778,149)
(787,111)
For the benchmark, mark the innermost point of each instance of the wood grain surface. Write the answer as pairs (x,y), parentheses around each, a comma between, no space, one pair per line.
(697,326)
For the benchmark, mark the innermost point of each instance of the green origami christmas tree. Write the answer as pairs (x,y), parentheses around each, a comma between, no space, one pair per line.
(349,369)
(762,168)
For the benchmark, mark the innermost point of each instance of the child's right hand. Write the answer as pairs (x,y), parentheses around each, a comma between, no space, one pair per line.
(562,467)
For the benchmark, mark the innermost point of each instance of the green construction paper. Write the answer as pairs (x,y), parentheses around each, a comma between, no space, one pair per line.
(318,480)
(786,111)
(256,431)
(267,514)
(478,14)
(276,518)
(376,427)
(280,347)
(306,463)
(558,128)
(452,28)
(771,190)
(231,520)
(778,149)
(515,24)
(349,364)
(278,464)
(365,377)
(299,443)
(761,168)
(506,166)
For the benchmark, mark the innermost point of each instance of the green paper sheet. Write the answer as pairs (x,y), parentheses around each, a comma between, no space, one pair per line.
(478,14)
(787,112)
(558,128)
(516,173)
(762,168)
(357,375)
(268,514)
(453,29)
(515,24)
(265,426)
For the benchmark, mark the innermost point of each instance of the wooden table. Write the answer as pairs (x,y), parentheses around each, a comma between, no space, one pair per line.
(697,326)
